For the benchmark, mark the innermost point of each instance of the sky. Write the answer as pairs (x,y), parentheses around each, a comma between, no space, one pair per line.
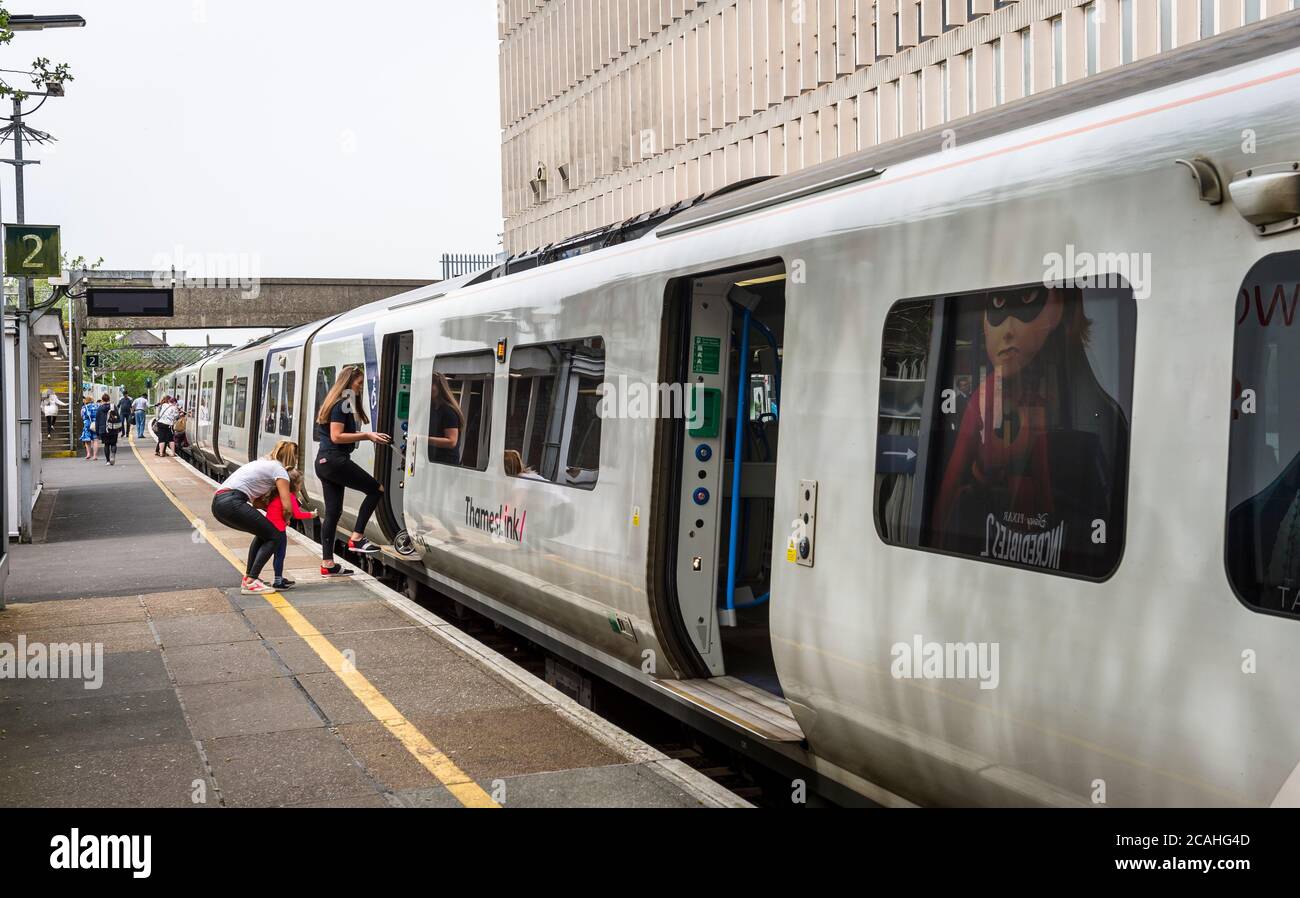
(279,138)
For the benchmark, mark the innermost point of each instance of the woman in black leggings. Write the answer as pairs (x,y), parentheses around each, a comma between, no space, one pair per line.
(338,434)
(265,478)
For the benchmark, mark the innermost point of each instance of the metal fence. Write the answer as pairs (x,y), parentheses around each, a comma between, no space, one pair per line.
(156,359)
(456,264)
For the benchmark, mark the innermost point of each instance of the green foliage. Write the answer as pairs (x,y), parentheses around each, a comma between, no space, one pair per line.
(44,75)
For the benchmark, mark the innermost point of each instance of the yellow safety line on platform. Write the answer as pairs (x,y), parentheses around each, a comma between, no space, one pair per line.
(457,782)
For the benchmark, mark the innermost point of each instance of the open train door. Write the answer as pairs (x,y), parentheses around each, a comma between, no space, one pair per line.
(394,418)
(717,485)
(255,417)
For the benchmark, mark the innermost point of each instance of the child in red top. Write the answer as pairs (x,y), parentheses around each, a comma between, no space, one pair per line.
(275,514)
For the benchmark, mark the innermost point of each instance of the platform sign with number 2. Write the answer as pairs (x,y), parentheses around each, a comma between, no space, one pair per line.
(32,251)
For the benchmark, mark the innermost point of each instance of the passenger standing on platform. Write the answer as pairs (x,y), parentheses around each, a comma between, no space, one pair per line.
(108,424)
(167,415)
(232,506)
(275,514)
(338,435)
(124,410)
(138,408)
(88,409)
(50,406)
(180,433)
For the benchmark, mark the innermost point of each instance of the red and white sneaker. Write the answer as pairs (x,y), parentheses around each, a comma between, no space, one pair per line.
(334,570)
(254,587)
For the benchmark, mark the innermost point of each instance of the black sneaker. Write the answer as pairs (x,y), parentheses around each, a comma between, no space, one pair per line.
(363,546)
(283,583)
(334,570)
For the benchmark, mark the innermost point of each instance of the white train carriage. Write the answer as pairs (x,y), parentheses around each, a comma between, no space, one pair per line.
(946,520)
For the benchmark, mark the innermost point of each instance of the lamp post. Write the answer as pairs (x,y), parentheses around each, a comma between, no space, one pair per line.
(24,436)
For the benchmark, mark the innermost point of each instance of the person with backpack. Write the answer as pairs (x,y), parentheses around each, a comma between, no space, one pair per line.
(108,424)
(124,410)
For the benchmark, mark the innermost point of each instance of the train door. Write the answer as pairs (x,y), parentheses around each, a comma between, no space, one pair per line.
(254,419)
(725,343)
(394,419)
(218,398)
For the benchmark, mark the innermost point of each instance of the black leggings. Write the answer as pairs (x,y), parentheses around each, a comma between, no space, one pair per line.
(232,509)
(338,472)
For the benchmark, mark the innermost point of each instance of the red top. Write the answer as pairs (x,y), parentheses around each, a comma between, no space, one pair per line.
(275,511)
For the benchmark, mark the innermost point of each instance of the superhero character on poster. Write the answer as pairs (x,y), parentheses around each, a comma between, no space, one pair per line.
(1034,473)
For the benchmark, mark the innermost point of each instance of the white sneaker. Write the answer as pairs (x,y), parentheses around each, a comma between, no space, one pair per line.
(254,587)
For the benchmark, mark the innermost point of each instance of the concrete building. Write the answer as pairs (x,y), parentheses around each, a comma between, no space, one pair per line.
(610,108)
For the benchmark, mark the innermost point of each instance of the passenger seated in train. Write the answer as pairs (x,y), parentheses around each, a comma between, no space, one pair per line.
(515,467)
(446,422)
(1030,476)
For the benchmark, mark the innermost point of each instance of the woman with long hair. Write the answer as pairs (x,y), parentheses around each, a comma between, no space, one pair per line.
(446,423)
(50,405)
(234,506)
(338,433)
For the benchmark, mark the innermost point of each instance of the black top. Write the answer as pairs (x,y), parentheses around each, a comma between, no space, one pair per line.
(124,407)
(344,417)
(101,422)
(445,419)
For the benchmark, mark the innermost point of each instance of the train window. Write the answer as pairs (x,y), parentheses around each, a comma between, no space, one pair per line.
(1263,530)
(324,380)
(552,424)
(469,381)
(241,401)
(286,404)
(1004,426)
(272,402)
(228,402)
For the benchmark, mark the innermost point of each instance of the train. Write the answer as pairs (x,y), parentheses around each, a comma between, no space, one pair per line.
(958,470)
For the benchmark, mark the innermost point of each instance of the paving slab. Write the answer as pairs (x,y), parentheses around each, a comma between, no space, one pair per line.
(155,774)
(204,629)
(222,662)
(122,672)
(247,707)
(101,722)
(292,767)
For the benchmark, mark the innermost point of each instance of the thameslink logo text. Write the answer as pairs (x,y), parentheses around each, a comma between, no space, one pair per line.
(78,852)
(53,661)
(921,660)
(501,524)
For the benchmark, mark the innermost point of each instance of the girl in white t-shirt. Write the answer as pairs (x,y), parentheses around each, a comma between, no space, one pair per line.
(233,506)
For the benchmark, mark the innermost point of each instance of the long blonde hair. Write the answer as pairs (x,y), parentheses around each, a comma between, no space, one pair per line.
(342,383)
(286,453)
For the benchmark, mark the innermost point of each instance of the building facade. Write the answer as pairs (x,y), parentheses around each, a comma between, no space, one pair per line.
(611,108)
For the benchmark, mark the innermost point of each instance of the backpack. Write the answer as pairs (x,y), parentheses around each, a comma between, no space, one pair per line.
(114,420)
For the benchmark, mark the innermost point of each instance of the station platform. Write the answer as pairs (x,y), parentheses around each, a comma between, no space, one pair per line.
(332,694)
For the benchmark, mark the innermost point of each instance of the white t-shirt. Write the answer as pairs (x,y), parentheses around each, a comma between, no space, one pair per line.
(140,404)
(169,414)
(257,478)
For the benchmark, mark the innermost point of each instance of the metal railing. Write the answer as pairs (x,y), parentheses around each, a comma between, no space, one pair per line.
(456,264)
